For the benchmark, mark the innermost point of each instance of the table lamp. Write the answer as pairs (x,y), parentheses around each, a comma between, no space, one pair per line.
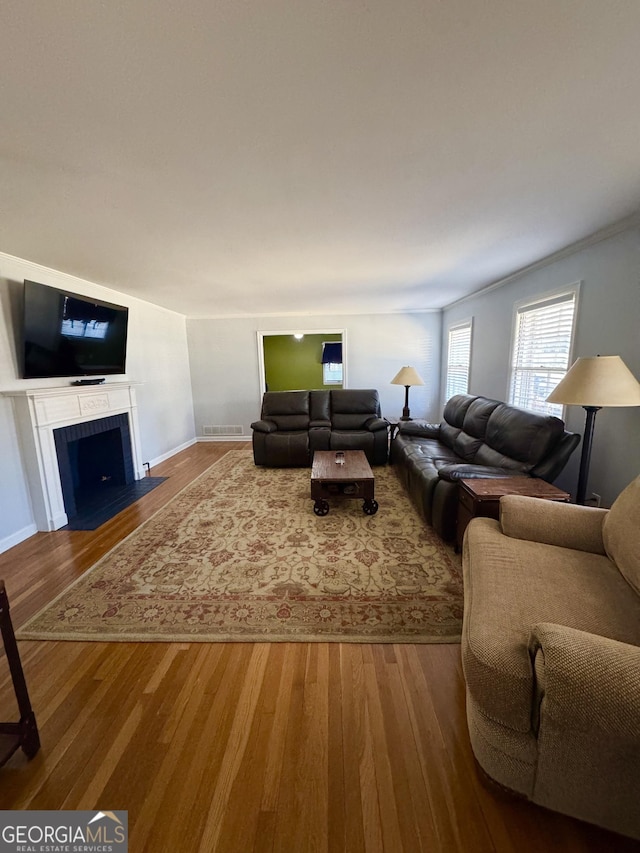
(407,376)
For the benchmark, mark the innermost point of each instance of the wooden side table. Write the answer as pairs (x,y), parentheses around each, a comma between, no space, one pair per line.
(481,497)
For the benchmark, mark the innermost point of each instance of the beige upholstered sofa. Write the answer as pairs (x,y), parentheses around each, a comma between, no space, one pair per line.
(551,654)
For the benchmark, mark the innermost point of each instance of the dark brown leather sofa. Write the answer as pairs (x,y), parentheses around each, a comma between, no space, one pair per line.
(477,437)
(294,424)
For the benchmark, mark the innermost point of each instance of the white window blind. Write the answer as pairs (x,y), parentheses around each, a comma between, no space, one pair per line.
(331,374)
(541,351)
(458,360)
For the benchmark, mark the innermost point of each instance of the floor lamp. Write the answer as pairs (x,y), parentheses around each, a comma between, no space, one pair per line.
(408,376)
(594,383)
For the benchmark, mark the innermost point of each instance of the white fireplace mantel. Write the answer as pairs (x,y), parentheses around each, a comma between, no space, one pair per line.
(39,411)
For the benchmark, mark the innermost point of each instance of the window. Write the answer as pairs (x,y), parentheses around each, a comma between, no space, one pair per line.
(543,336)
(458,359)
(332,363)
(332,374)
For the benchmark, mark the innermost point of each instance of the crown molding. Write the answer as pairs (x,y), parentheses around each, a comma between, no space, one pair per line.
(626,224)
(312,314)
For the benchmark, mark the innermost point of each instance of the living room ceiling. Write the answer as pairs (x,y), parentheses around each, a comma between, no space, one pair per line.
(269,157)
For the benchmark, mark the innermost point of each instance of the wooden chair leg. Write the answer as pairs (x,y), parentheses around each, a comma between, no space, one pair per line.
(24,733)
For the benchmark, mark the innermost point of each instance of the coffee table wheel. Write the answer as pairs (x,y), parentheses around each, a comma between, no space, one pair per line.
(370,507)
(321,507)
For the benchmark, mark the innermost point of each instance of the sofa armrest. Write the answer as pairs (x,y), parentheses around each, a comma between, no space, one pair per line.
(553,523)
(420,428)
(320,424)
(264,426)
(587,684)
(375,424)
(468,471)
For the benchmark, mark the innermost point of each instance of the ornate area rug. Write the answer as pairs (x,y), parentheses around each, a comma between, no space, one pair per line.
(239,555)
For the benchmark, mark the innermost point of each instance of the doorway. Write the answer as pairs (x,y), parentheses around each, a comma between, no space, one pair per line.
(293,361)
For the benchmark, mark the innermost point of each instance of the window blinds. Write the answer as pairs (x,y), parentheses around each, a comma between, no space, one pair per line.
(458,359)
(542,347)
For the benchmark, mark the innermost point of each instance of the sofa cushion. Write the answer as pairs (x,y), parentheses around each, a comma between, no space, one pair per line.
(466,446)
(510,586)
(288,449)
(351,440)
(453,418)
(352,409)
(422,429)
(290,423)
(621,533)
(350,421)
(520,435)
(456,408)
(494,459)
(425,448)
(464,424)
(477,416)
(289,410)
(319,406)
(449,434)
(356,401)
(285,403)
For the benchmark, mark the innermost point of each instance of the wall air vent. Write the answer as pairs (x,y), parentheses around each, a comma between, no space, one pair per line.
(224,429)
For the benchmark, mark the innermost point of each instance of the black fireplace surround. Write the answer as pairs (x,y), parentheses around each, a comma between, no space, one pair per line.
(93,456)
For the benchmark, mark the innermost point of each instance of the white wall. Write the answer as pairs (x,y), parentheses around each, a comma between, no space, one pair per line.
(157,357)
(225,373)
(608,323)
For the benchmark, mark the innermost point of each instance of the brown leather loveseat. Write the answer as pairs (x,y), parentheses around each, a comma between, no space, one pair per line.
(294,424)
(477,437)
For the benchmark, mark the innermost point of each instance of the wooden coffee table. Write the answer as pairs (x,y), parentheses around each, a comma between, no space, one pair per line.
(481,497)
(347,479)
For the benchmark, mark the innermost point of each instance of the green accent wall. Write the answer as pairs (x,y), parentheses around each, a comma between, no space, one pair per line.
(292,365)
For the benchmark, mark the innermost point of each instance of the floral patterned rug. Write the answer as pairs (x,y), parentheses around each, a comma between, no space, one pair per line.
(239,555)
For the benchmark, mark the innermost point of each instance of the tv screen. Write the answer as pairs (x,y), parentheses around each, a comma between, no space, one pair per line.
(69,335)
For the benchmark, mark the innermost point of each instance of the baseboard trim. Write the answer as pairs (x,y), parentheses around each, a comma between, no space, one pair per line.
(17,537)
(158,459)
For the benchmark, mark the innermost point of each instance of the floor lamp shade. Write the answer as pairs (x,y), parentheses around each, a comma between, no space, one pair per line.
(593,383)
(407,376)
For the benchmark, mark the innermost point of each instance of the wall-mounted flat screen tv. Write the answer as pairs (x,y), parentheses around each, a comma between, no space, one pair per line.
(70,335)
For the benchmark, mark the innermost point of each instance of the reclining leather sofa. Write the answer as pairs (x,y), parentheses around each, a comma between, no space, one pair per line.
(551,654)
(294,424)
(477,437)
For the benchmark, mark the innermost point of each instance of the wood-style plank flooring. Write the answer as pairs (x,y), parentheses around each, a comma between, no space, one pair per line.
(242,747)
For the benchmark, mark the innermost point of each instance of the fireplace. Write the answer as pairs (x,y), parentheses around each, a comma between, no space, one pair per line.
(94,457)
(66,435)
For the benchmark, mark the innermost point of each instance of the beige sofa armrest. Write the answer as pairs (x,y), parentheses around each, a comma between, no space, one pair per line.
(553,523)
(587,686)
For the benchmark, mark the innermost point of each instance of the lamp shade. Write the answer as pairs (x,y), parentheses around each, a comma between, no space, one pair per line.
(601,380)
(407,376)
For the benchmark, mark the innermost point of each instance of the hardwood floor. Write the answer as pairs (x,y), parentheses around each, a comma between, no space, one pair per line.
(254,747)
